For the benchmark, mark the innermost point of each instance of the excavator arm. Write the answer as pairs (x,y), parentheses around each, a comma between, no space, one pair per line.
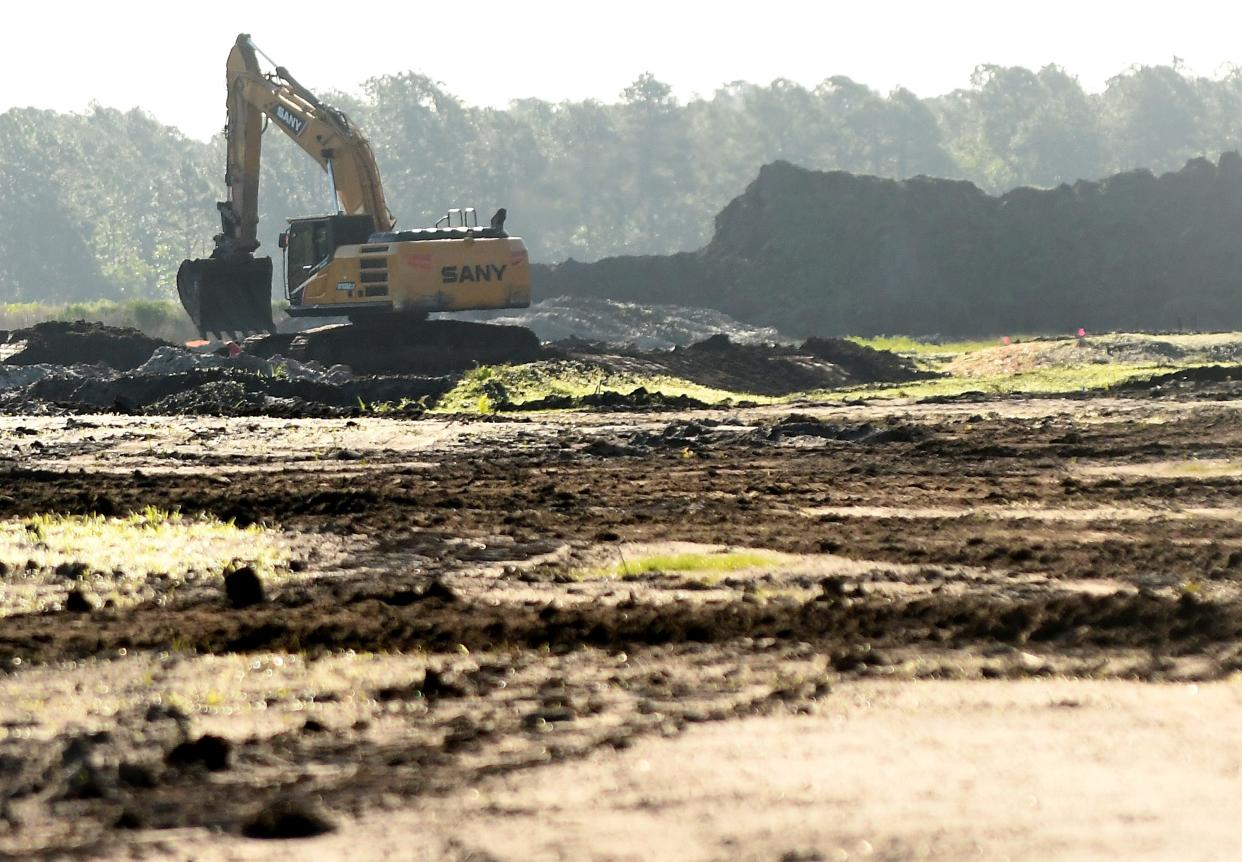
(231,290)
(325,133)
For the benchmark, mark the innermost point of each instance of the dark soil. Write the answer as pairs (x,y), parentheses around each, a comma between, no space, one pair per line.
(467,559)
(832,253)
(636,399)
(716,362)
(764,369)
(225,392)
(81,342)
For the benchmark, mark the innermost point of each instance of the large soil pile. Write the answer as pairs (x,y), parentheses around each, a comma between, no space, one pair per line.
(69,343)
(88,367)
(646,327)
(815,253)
(764,369)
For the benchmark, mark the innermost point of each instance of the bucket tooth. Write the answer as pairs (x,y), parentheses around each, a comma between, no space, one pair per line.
(227,295)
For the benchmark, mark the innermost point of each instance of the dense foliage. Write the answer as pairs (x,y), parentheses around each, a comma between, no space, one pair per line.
(108,203)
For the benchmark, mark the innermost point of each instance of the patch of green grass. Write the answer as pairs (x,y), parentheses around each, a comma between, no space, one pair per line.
(926,355)
(1076,378)
(134,558)
(912,346)
(1203,468)
(700,563)
(484,388)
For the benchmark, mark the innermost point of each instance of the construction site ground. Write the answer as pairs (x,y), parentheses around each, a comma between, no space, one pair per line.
(1008,628)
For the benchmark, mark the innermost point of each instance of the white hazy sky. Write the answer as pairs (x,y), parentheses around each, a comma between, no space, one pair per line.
(168,57)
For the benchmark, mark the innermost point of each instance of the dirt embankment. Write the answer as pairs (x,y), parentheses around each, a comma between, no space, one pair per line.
(815,253)
(762,369)
(123,370)
(78,343)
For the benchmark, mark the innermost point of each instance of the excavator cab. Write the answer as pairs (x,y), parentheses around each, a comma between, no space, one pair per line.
(310,243)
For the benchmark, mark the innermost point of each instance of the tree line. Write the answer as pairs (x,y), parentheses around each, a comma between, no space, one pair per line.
(107,203)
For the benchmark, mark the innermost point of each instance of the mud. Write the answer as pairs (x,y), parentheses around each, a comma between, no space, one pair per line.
(468,601)
(66,343)
(759,369)
(162,379)
(474,599)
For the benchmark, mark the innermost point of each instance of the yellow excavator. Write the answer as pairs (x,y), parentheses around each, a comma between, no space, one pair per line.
(352,262)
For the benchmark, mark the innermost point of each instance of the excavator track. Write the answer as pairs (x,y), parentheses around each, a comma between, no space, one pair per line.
(408,344)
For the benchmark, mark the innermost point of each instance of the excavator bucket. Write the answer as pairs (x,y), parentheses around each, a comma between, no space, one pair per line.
(227,295)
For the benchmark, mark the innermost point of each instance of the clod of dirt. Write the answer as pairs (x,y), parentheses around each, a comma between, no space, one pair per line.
(135,775)
(72,571)
(288,817)
(439,591)
(244,588)
(835,587)
(77,603)
(129,819)
(164,712)
(434,686)
(210,752)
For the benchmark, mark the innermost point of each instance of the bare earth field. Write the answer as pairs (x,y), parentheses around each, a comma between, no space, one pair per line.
(1005,628)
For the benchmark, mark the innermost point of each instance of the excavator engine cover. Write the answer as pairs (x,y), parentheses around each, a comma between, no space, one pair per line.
(227,295)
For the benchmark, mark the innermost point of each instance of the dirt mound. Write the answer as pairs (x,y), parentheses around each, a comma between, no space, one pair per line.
(64,343)
(1044,353)
(864,364)
(641,327)
(827,253)
(761,369)
(1203,383)
(636,399)
(218,391)
(252,395)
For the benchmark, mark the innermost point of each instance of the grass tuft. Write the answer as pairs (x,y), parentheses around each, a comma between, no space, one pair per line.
(482,389)
(1046,381)
(718,563)
(138,557)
